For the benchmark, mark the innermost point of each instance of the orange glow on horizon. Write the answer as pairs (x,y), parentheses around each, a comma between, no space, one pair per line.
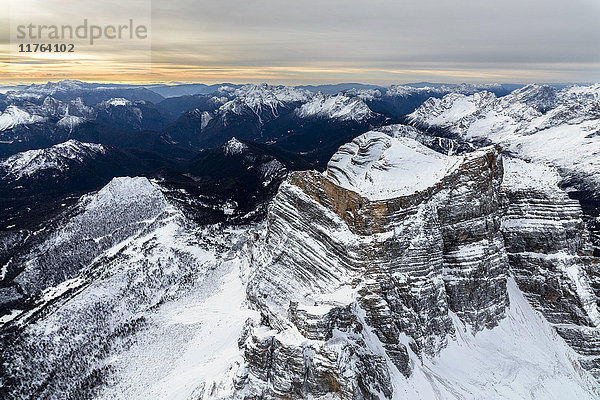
(44,70)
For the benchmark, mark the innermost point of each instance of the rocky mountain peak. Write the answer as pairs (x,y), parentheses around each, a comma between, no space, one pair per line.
(14,116)
(234,146)
(56,158)
(339,107)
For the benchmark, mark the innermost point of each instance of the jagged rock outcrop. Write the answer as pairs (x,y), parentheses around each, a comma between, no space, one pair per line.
(334,263)
(550,255)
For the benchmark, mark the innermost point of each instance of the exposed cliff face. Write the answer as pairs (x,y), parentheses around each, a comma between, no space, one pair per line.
(364,292)
(333,263)
(344,292)
(550,255)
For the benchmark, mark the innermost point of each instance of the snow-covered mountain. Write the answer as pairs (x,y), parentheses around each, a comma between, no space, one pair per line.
(364,281)
(37,184)
(14,116)
(234,146)
(57,158)
(235,112)
(59,112)
(265,97)
(268,102)
(291,117)
(440,260)
(535,122)
(92,93)
(398,100)
(27,125)
(263,102)
(339,107)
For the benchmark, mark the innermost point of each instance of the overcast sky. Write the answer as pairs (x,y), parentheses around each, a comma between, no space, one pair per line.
(313,41)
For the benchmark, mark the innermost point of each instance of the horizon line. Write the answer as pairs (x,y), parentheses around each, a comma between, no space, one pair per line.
(275,83)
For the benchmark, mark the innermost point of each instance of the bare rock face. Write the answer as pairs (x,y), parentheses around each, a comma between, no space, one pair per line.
(352,287)
(550,255)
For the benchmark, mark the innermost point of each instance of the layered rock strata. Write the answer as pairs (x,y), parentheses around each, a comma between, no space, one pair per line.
(352,290)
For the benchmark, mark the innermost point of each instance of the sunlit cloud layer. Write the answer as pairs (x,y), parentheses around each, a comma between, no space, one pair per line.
(318,41)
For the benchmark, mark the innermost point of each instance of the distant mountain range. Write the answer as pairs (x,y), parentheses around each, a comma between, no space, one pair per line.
(340,241)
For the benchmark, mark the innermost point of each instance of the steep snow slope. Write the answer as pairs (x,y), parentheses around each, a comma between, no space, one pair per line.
(99,221)
(192,345)
(441,144)
(14,116)
(453,107)
(522,358)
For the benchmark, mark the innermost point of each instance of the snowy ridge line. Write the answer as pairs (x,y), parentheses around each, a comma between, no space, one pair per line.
(538,123)
(57,157)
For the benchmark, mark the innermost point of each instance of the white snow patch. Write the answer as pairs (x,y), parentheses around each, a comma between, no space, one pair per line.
(117,101)
(14,116)
(57,291)
(378,166)
(525,175)
(10,316)
(522,358)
